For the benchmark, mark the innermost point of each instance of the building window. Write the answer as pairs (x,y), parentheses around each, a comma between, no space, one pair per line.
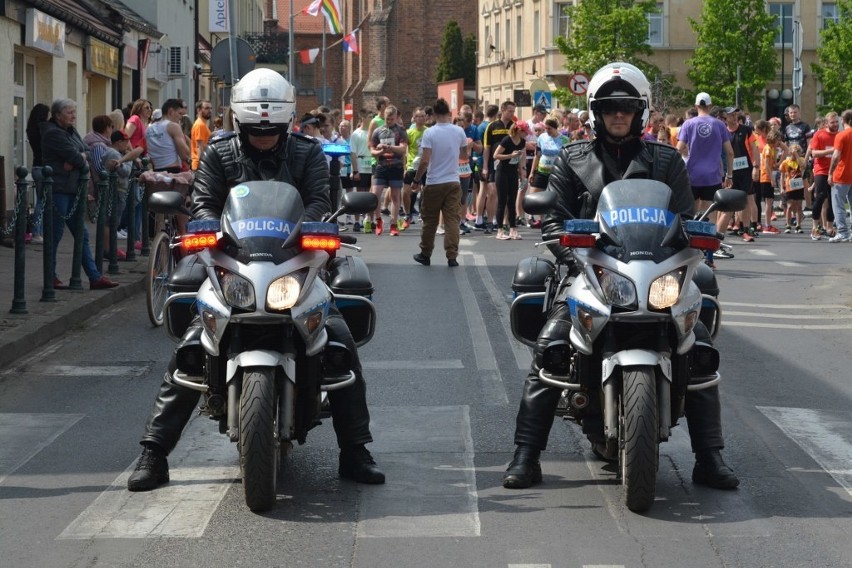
(560,19)
(519,39)
(497,35)
(655,26)
(829,14)
(508,50)
(536,31)
(783,11)
(487,48)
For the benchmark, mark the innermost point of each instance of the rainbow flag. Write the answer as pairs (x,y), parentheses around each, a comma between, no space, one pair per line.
(331,11)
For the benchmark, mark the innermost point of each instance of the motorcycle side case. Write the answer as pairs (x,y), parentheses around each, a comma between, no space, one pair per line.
(531,274)
(188,276)
(349,280)
(528,314)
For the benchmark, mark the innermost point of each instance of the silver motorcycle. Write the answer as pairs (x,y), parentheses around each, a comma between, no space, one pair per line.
(634,305)
(262,282)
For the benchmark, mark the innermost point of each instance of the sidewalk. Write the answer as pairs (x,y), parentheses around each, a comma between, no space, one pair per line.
(21,334)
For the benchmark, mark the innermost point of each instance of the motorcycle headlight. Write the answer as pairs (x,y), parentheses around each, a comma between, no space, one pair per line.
(238,291)
(618,290)
(284,292)
(665,290)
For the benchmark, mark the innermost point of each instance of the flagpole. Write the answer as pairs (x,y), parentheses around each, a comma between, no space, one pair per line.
(324,97)
(291,62)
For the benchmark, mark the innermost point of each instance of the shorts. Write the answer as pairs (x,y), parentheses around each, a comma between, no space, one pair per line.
(795,195)
(408,179)
(540,181)
(364,182)
(388,176)
(704,192)
(492,175)
(766,190)
(821,187)
(742,181)
(346,182)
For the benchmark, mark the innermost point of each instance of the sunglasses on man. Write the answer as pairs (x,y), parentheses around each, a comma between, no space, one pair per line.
(624,106)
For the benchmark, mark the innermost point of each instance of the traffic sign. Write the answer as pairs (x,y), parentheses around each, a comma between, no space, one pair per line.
(544,98)
(578,83)
(347,111)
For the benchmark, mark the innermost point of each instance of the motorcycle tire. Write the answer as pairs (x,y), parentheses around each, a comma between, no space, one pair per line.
(640,438)
(259,445)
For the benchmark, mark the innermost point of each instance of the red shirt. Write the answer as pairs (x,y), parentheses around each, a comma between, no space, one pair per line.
(843,170)
(822,140)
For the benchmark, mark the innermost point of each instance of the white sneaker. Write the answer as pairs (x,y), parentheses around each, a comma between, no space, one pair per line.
(838,239)
(440,230)
(121,234)
(37,239)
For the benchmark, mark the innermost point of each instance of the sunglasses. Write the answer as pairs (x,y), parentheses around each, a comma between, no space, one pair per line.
(612,106)
(258,130)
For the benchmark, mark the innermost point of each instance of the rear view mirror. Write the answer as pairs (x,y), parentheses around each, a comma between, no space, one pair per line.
(730,200)
(358,202)
(539,203)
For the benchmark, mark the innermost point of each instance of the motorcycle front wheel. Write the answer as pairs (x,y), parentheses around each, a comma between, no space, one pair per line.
(259,446)
(640,437)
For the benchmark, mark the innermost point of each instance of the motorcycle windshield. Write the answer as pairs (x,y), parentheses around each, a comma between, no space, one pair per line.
(261,221)
(635,215)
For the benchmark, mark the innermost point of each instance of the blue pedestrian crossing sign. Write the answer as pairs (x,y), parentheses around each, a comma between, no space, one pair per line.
(544,98)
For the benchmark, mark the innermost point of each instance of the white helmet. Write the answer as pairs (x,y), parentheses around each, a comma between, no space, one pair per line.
(621,81)
(263,103)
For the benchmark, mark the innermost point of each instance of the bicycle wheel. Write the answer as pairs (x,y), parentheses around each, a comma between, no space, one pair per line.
(161,262)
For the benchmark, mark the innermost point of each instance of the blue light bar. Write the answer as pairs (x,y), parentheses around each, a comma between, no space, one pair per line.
(582,226)
(203,226)
(336,149)
(700,228)
(320,228)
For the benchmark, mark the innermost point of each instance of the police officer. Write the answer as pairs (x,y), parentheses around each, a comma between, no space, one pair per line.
(263,105)
(619,100)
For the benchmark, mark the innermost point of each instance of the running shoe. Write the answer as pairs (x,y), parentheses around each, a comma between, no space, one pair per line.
(536,224)
(440,230)
(722,253)
(799,229)
(747,238)
(464,229)
(357,228)
(380,227)
(815,236)
(394,232)
(770,230)
(480,226)
(488,229)
(787,230)
(405,223)
(368,227)
(385,211)
(839,239)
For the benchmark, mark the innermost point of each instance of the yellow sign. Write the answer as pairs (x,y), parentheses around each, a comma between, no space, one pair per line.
(102,58)
(45,33)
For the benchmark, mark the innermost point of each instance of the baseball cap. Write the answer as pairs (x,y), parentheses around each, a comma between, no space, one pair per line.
(118,135)
(523,126)
(731,110)
(540,108)
(157,114)
(702,99)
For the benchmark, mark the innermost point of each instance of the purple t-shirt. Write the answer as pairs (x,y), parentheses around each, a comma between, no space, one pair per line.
(705,137)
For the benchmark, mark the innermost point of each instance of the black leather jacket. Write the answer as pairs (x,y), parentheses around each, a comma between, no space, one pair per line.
(298,161)
(582,169)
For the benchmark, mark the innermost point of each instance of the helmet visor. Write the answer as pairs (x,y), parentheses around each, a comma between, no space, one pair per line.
(614,105)
(261,130)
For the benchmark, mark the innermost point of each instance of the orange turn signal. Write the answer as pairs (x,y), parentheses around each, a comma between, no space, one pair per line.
(198,241)
(320,242)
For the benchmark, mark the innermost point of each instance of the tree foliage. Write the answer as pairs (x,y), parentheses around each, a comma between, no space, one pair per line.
(469,60)
(603,31)
(731,34)
(834,56)
(451,58)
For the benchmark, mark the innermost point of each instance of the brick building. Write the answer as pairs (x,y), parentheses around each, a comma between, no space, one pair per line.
(400,43)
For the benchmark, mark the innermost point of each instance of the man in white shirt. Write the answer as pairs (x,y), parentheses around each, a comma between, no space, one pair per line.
(444,146)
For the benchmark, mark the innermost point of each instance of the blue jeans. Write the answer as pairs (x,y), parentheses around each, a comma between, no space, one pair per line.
(840,194)
(39,199)
(62,203)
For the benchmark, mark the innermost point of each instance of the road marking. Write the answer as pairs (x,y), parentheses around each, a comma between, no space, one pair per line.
(482,350)
(25,435)
(413,365)
(427,455)
(762,252)
(788,306)
(94,370)
(202,469)
(522,353)
(727,323)
(824,435)
(789,264)
(788,316)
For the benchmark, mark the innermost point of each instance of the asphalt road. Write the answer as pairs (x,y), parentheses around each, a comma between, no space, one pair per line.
(444,378)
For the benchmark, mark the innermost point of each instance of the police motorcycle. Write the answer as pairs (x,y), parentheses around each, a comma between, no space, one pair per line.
(638,291)
(262,283)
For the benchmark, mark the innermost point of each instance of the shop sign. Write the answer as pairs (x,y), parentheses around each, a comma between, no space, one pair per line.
(45,33)
(131,55)
(102,58)
(219,21)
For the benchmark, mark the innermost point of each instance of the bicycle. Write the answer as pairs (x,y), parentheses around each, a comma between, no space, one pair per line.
(165,247)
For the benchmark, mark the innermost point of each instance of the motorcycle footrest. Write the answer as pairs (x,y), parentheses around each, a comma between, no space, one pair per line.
(338,382)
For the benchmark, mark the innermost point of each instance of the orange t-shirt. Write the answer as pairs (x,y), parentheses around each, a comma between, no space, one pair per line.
(767,163)
(200,133)
(843,170)
(791,168)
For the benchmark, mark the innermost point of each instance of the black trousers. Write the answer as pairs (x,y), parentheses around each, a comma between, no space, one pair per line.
(351,419)
(539,401)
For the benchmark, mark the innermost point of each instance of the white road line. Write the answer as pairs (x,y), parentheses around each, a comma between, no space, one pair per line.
(762,252)
(427,454)
(25,435)
(522,353)
(202,469)
(482,350)
(788,306)
(413,365)
(530,566)
(789,316)
(727,323)
(789,264)
(826,436)
(94,370)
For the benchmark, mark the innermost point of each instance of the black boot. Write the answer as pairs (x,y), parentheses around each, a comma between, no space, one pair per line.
(152,470)
(524,470)
(712,471)
(357,464)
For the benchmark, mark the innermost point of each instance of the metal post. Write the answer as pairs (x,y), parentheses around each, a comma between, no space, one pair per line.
(113,223)
(19,301)
(48,294)
(232,41)
(146,226)
(291,59)
(79,224)
(100,225)
(131,216)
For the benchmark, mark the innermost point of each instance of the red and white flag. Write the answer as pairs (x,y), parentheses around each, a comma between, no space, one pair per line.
(308,55)
(313,8)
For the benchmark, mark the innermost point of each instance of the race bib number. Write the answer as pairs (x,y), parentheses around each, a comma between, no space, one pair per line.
(545,163)
(365,164)
(741,163)
(796,183)
(464,169)
(515,160)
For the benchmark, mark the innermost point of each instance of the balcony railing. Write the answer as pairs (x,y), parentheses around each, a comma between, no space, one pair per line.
(269,47)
